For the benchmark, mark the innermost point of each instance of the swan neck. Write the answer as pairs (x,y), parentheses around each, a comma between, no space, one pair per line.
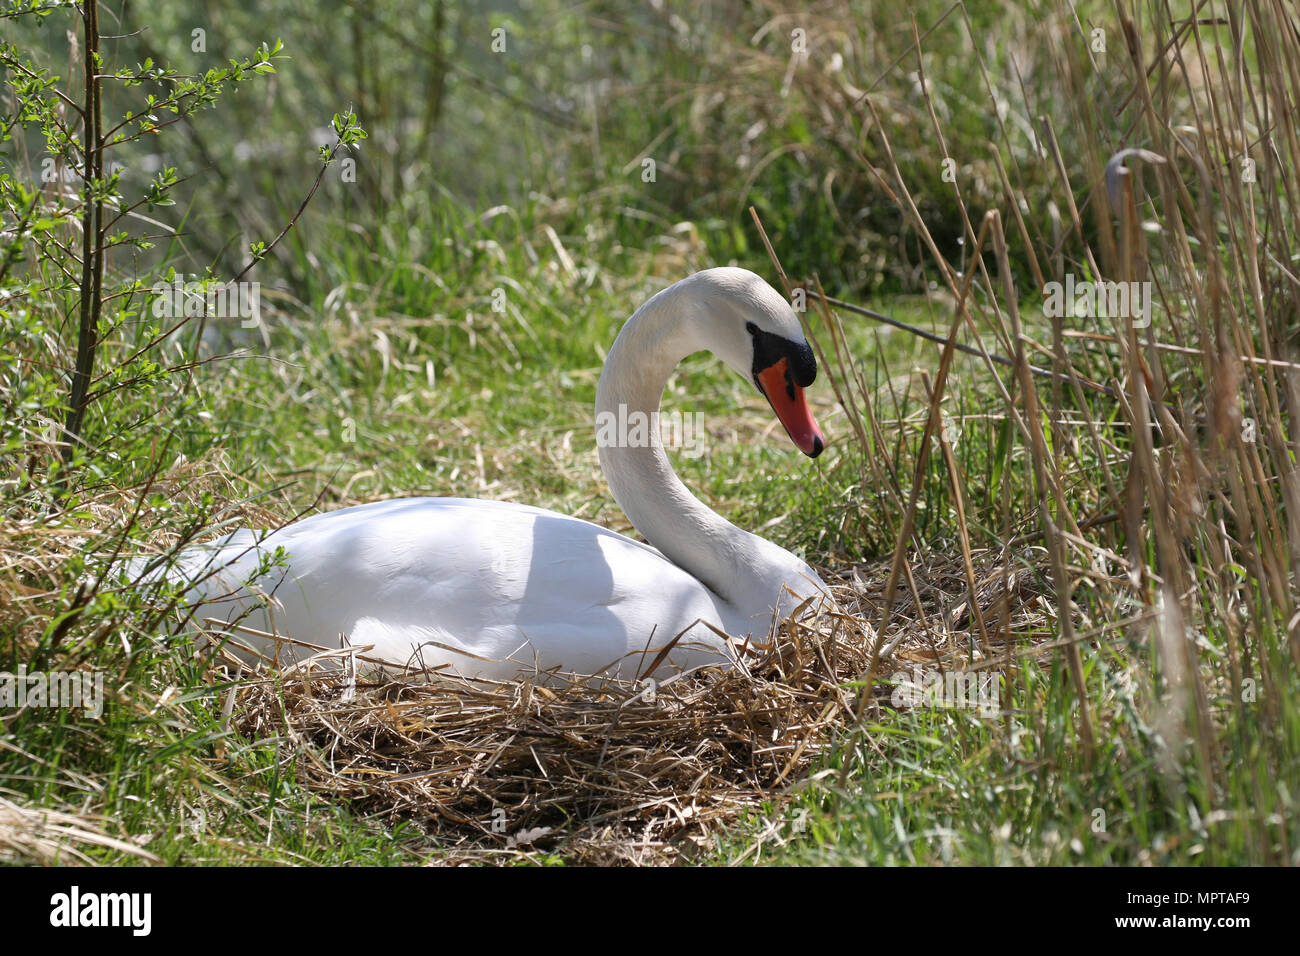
(744,570)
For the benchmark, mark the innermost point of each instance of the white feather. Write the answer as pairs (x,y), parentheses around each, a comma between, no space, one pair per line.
(494,589)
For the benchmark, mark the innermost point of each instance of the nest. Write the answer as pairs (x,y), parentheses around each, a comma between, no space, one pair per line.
(614,773)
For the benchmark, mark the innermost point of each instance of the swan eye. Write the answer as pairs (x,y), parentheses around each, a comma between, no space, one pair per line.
(751,328)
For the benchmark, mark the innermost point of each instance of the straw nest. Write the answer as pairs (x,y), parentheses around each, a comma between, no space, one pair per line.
(621,772)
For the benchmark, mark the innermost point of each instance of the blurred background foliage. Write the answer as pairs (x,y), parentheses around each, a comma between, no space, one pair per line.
(731,104)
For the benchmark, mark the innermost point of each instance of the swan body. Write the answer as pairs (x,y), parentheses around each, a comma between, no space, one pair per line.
(499,581)
(492,589)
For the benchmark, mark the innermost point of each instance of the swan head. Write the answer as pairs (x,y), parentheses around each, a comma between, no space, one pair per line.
(752,328)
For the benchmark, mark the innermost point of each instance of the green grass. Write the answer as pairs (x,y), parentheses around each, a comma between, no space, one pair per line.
(945,786)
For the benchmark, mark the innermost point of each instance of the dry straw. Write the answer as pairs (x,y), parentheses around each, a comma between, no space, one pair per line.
(627,772)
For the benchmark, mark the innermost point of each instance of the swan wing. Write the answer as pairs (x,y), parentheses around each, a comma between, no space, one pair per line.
(475,587)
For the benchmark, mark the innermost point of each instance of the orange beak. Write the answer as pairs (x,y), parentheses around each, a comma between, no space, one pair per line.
(791,407)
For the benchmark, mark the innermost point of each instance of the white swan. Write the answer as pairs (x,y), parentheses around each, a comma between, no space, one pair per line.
(492,589)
